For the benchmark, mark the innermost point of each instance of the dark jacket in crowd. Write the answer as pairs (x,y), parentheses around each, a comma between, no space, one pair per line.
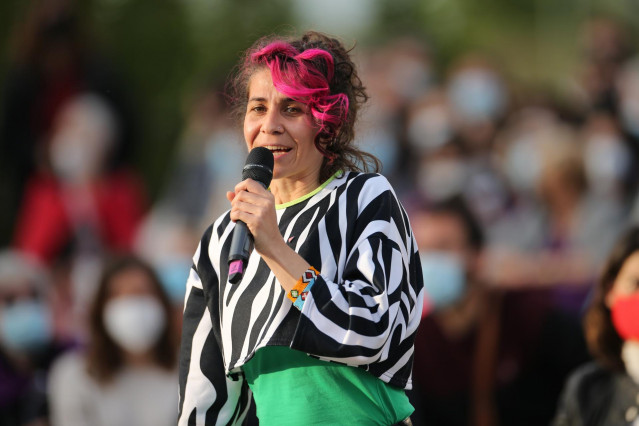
(597,396)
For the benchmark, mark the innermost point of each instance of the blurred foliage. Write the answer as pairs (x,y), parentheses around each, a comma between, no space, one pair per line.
(168,50)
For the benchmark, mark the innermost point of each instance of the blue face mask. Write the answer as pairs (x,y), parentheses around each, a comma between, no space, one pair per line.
(25,326)
(444,278)
(173,276)
(383,145)
(477,95)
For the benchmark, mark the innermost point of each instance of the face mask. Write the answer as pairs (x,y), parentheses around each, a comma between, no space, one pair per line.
(625,316)
(606,160)
(444,279)
(71,160)
(25,326)
(225,153)
(486,194)
(383,146)
(442,179)
(134,322)
(477,95)
(410,78)
(630,357)
(79,147)
(523,164)
(173,276)
(429,128)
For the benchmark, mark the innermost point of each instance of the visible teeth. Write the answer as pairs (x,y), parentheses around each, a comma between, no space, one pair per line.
(277,148)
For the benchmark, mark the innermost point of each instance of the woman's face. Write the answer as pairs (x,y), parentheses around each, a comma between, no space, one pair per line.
(133,315)
(284,126)
(627,281)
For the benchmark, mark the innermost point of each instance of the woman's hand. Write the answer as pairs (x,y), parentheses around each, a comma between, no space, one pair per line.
(255,206)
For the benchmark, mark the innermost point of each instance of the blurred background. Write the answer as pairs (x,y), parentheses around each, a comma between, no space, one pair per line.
(509,127)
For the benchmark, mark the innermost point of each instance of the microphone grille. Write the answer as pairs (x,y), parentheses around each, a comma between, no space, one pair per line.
(259,166)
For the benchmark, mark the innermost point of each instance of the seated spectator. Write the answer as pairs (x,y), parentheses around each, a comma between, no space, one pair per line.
(605,391)
(127,376)
(27,339)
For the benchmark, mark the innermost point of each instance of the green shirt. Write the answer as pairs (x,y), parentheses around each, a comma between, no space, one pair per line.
(292,388)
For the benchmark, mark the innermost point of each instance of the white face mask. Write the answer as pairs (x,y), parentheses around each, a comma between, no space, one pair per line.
(523,164)
(134,322)
(477,95)
(441,179)
(630,356)
(410,77)
(606,160)
(83,138)
(429,128)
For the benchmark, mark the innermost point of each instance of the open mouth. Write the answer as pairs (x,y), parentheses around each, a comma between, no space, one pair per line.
(277,150)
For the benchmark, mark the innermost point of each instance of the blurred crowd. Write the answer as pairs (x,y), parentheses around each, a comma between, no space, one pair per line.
(515,197)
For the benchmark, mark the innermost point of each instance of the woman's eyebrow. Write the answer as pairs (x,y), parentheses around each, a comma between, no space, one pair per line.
(262,99)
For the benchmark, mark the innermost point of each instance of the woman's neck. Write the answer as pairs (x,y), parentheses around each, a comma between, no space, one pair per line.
(630,356)
(286,190)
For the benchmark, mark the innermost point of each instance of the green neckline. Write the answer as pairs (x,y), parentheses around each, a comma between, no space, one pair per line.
(307,196)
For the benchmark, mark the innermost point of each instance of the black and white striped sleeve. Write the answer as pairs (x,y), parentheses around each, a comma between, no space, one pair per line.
(207,395)
(369,311)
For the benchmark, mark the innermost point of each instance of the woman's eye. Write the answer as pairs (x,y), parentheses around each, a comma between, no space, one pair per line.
(258,108)
(293,110)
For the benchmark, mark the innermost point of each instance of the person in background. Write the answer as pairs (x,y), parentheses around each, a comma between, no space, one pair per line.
(606,391)
(81,210)
(28,342)
(557,237)
(483,355)
(81,204)
(458,314)
(127,374)
(53,58)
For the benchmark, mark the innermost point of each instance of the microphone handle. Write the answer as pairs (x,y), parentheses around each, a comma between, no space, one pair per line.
(241,248)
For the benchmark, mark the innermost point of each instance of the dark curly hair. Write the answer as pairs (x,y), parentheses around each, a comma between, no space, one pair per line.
(603,340)
(327,83)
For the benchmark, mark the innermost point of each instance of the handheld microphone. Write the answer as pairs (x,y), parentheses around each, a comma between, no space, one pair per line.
(259,167)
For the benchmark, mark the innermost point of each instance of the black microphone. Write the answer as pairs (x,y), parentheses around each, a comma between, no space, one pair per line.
(259,167)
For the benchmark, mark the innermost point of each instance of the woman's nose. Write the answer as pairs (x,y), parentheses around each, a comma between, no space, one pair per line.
(272,123)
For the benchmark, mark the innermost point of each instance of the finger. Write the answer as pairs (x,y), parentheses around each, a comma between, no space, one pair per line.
(251,186)
(248,208)
(252,198)
(230,195)
(245,217)
(255,186)
(234,214)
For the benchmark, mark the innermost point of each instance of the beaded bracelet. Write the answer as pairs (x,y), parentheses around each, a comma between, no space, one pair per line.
(298,293)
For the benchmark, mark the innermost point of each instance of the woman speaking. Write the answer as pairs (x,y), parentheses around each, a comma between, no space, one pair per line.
(320,328)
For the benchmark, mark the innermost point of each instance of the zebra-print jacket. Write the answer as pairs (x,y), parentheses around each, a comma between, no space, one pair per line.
(363,309)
